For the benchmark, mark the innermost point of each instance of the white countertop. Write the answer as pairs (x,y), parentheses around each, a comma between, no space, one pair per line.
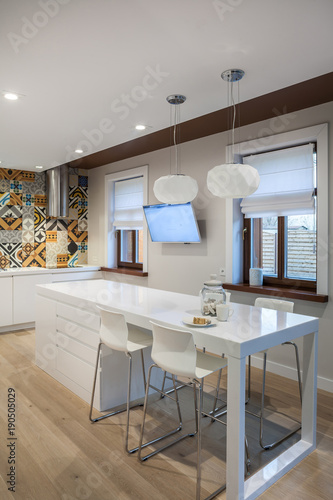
(42,270)
(250,329)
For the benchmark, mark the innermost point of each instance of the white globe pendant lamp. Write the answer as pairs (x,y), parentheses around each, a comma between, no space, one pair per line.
(233,180)
(175,188)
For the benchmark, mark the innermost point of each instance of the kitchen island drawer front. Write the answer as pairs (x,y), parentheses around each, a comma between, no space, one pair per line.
(78,332)
(79,315)
(73,347)
(81,372)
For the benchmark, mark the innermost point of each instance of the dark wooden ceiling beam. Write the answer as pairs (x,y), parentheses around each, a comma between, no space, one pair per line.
(303,95)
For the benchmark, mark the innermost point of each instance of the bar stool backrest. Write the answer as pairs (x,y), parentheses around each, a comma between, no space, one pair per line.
(174,351)
(276,304)
(113,330)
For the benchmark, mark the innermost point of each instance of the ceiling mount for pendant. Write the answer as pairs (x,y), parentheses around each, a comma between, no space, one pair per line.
(232,75)
(176,99)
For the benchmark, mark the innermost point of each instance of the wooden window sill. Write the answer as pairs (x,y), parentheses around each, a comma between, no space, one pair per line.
(290,293)
(123,270)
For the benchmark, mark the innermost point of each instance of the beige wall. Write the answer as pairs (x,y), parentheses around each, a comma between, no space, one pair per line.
(183,268)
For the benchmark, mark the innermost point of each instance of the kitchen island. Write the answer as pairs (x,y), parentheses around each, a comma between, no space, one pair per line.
(67,338)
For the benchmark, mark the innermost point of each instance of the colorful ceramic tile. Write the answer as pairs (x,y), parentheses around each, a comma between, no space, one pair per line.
(82,258)
(13,252)
(73,203)
(83,181)
(39,185)
(4,185)
(62,260)
(11,223)
(39,218)
(27,176)
(27,236)
(12,211)
(62,224)
(82,171)
(51,255)
(28,187)
(73,180)
(73,213)
(78,192)
(73,260)
(28,199)
(72,247)
(40,200)
(83,203)
(40,235)
(82,247)
(62,242)
(15,198)
(37,258)
(51,236)
(4,261)
(82,225)
(73,230)
(4,199)
(11,236)
(15,187)
(82,236)
(83,214)
(8,173)
(28,249)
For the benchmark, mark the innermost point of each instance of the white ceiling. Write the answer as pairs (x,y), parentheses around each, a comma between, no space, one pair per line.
(79,62)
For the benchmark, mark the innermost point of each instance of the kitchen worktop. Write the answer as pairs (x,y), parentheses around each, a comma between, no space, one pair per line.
(42,270)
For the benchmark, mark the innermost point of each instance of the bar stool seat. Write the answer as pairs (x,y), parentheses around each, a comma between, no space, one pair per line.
(116,334)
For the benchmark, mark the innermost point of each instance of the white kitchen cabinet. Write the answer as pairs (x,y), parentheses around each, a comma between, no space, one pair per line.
(24,293)
(6,301)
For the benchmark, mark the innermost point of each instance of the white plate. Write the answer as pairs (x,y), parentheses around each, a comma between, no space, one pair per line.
(188,320)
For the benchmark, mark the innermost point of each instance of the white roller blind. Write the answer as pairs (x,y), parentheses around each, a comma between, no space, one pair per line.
(286,183)
(128,201)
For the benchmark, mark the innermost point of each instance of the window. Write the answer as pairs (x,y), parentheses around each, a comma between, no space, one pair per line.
(236,259)
(126,242)
(128,221)
(280,219)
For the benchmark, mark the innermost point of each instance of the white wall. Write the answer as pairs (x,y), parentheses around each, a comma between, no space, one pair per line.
(183,268)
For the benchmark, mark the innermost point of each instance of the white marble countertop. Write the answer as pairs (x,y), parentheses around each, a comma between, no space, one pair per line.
(42,270)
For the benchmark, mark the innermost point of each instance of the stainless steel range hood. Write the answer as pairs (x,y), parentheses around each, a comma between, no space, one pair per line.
(57,191)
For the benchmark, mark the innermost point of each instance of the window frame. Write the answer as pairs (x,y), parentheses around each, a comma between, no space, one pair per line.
(280,279)
(234,217)
(111,240)
(135,239)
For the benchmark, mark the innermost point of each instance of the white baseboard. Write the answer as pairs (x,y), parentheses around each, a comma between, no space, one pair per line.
(13,328)
(286,371)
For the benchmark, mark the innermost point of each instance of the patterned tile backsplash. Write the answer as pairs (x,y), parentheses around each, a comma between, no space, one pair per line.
(28,238)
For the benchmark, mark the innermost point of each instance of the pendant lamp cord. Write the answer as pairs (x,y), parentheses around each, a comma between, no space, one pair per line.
(233,120)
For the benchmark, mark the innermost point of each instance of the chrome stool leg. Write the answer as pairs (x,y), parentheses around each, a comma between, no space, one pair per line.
(128,407)
(261,416)
(174,431)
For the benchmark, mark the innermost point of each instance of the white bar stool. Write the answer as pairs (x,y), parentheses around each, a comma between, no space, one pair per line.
(174,351)
(116,334)
(287,306)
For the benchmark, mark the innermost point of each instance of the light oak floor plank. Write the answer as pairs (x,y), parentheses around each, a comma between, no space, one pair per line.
(60,455)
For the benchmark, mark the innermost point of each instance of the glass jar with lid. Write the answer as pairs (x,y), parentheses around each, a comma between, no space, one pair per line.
(212,294)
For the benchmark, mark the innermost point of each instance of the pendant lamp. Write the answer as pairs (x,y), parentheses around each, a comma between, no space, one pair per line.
(232,180)
(175,188)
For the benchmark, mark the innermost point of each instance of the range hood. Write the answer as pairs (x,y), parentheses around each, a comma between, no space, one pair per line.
(57,191)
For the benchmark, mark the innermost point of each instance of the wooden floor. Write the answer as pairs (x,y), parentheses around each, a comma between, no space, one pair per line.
(60,455)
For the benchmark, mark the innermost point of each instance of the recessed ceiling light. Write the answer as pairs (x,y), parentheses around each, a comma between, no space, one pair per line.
(10,96)
(140,127)
(79,151)
(39,167)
